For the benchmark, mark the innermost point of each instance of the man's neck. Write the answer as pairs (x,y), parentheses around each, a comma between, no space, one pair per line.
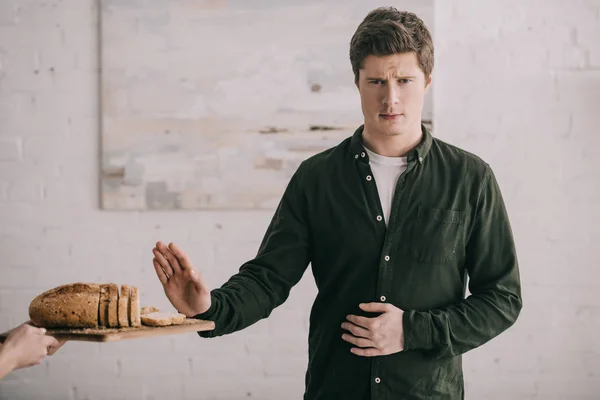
(392,145)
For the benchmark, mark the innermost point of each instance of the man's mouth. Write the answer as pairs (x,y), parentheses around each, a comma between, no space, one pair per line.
(390,116)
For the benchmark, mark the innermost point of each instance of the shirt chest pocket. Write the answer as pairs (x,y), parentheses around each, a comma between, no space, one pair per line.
(437,235)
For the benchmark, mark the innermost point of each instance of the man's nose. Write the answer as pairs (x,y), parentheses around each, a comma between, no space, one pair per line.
(390,96)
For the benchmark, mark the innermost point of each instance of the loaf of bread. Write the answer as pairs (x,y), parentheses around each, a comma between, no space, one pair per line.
(163,319)
(70,306)
(86,305)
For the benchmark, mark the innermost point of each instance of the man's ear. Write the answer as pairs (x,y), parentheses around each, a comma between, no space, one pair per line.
(428,80)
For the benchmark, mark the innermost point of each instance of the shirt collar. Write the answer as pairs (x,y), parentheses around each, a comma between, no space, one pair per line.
(419,153)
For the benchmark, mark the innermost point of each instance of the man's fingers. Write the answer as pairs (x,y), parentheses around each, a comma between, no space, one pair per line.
(356,330)
(164,263)
(162,277)
(363,322)
(370,352)
(168,254)
(181,256)
(357,341)
(375,307)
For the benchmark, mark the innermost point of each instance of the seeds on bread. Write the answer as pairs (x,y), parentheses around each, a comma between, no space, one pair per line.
(70,306)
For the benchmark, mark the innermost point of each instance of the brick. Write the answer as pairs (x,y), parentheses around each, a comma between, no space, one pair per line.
(91,389)
(67,194)
(20,251)
(34,389)
(31,373)
(25,192)
(103,367)
(277,388)
(44,149)
(217,366)
(163,367)
(79,350)
(158,390)
(135,349)
(3,192)
(291,367)
(10,150)
(228,346)
(219,388)
(113,257)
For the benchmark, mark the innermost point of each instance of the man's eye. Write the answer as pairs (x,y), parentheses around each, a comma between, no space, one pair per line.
(405,80)
(377,81)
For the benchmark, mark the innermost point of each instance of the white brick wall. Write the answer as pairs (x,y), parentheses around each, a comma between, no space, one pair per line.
(517,82)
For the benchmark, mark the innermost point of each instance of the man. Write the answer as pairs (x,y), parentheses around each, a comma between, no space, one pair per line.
(25,346)
(392,221)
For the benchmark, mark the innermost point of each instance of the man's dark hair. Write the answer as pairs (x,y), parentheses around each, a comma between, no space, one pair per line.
(386,31)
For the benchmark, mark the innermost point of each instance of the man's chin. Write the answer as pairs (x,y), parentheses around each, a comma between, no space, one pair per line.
(393,129)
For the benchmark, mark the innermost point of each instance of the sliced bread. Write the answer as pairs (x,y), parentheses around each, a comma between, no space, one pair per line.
(123,306)
(134,307)
(103,308)
(148,310)
(163,319)
(113,305)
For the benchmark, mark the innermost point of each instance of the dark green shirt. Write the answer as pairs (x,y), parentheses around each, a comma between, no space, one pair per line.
(448,221)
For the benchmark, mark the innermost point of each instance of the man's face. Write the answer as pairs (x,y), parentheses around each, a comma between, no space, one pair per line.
(392,89)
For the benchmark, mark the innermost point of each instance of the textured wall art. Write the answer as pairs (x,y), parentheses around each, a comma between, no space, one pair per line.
(214,104)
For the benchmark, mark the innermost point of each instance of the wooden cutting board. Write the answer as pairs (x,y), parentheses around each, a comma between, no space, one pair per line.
(112,335)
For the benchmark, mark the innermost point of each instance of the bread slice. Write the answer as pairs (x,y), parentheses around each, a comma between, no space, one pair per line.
(123,307)
(113,305)
(148,310)
(70,306)
(163,319)
(103,308)
(134,307)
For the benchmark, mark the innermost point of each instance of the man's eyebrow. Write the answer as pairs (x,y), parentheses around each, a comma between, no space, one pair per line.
(383,79)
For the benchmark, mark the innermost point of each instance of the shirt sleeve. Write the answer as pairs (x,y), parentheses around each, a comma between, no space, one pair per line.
(264,283)
(495,301)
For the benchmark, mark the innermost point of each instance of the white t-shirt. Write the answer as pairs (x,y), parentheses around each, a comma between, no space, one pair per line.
(386,171)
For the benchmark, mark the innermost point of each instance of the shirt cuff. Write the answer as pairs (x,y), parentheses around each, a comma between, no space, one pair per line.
(209,315)
(417,330)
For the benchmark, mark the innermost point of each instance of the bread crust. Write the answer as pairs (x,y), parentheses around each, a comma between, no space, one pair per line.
(73,306)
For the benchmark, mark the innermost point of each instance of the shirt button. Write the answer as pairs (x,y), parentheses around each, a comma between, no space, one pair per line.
(382,298)
(356,156)
(379,218)
(420,159)
(369,177)
(386,258)
(363,154)
(377,380)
